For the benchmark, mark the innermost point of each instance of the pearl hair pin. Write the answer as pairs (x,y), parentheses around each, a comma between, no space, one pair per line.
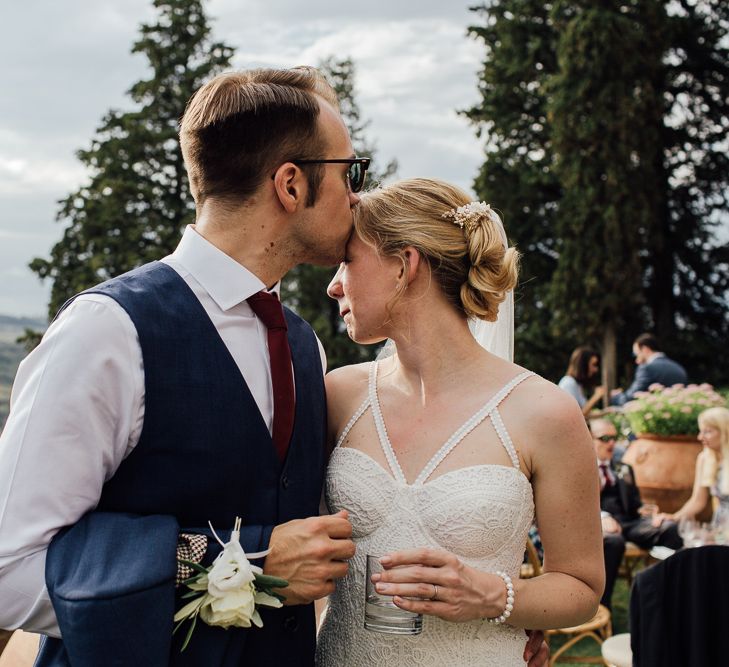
(469,214)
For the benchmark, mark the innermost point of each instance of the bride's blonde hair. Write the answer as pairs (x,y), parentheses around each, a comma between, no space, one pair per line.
(468,260)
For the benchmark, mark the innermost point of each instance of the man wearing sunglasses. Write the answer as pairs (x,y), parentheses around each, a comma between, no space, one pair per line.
(182,393)
(624,517)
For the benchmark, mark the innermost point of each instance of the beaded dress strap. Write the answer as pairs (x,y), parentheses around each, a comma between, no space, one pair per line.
(382,429)
(353,420)
(472,423)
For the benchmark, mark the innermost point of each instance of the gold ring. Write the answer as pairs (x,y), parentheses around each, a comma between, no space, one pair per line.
(434,597)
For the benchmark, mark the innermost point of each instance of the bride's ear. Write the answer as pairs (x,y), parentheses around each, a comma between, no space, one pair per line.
(411,264)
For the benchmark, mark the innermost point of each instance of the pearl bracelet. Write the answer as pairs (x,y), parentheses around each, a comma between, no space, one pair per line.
(509,600)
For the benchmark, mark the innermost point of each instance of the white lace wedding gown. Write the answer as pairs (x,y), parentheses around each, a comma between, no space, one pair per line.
(480,513)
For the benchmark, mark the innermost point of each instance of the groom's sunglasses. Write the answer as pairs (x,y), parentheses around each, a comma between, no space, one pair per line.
(607,438)
(356,174)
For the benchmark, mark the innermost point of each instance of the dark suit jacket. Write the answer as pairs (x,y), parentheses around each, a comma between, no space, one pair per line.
(628,493)
(663,370)
(679,610)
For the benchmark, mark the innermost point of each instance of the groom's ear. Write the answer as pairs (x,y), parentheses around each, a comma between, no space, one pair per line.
(289,184)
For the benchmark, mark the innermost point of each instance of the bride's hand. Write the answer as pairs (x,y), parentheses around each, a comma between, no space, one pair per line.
(444,585)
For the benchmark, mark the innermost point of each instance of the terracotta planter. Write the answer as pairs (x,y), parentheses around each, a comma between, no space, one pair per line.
(664,468)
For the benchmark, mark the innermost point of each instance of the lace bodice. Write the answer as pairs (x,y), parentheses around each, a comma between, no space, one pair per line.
(480,513)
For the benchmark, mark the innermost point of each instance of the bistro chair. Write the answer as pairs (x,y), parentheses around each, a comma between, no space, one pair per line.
(597,629)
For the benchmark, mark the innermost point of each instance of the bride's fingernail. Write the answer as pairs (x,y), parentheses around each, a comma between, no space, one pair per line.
(385,560)
(382,588)
(375,577)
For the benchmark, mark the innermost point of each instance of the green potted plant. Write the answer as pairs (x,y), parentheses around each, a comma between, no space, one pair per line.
(671,411)
(665,421)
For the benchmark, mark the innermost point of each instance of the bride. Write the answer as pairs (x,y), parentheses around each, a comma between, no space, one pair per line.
(444,452)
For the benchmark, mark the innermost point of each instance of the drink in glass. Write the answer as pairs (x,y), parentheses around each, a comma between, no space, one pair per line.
(381,613)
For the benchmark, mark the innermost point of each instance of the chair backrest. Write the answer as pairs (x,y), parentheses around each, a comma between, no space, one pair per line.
(679,609)
(533,558)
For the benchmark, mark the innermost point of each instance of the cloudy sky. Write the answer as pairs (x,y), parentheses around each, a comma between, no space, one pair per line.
(63,64)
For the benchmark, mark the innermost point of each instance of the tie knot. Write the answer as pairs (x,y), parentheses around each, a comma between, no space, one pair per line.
(269,310)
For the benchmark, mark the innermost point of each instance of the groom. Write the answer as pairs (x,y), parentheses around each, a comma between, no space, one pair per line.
(169,397)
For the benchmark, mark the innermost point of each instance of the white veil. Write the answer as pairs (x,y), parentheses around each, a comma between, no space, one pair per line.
(497,337)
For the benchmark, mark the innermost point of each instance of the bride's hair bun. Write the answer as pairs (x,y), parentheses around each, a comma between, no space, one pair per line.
(494,269)
(460,240)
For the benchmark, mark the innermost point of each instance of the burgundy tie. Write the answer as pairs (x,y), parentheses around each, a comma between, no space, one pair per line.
(606,475)
(269,310)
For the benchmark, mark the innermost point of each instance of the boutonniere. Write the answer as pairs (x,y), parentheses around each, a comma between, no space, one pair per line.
(623,473)
(227,593)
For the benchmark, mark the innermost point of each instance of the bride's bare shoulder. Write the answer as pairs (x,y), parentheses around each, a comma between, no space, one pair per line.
(539,403)
(346,384)
(550,397)
(346,389)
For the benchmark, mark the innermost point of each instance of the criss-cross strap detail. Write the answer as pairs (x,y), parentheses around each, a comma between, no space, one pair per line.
(488,410)
(382,429)
(353,420)
(504,436)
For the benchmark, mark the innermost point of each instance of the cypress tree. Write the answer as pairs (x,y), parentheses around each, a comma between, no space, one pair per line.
(605,126)
(137,200)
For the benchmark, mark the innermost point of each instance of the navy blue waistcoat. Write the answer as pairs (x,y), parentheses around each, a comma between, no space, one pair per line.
(205,454)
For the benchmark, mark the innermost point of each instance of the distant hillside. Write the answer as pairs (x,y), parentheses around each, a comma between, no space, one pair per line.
(11,354)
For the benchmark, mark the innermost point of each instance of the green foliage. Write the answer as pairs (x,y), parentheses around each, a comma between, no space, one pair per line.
(137,200)
(517,176)
(605,140)
(671,410)
(304,288)
(29,339)
(601,131)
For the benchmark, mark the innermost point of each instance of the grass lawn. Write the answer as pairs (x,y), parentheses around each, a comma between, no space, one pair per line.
(588,647)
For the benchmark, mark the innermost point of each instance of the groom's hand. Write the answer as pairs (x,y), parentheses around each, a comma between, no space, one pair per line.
(310,553)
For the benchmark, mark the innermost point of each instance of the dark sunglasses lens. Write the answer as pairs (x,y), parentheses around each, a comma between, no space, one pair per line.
(608,438)
(357,175)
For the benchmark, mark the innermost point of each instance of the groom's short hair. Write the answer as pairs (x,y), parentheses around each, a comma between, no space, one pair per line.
(240,126)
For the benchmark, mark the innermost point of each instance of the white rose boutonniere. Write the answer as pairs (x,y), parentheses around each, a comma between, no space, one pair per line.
(227,593)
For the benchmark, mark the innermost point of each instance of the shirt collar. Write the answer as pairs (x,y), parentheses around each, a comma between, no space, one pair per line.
(654,356)
(226,281)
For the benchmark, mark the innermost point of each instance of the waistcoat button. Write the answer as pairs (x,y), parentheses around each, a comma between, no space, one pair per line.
(285,482)
(290,624)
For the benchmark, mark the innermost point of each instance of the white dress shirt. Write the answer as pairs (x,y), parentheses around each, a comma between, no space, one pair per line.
(77,408)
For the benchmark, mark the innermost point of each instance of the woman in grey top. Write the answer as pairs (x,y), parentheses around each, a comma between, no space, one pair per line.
(582,376)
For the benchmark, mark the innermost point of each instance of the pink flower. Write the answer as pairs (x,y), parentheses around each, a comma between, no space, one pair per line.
(686,410)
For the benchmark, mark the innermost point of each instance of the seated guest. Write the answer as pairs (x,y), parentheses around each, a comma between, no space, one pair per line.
(582,375)
(653,367)
(712,468)
(620,503)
